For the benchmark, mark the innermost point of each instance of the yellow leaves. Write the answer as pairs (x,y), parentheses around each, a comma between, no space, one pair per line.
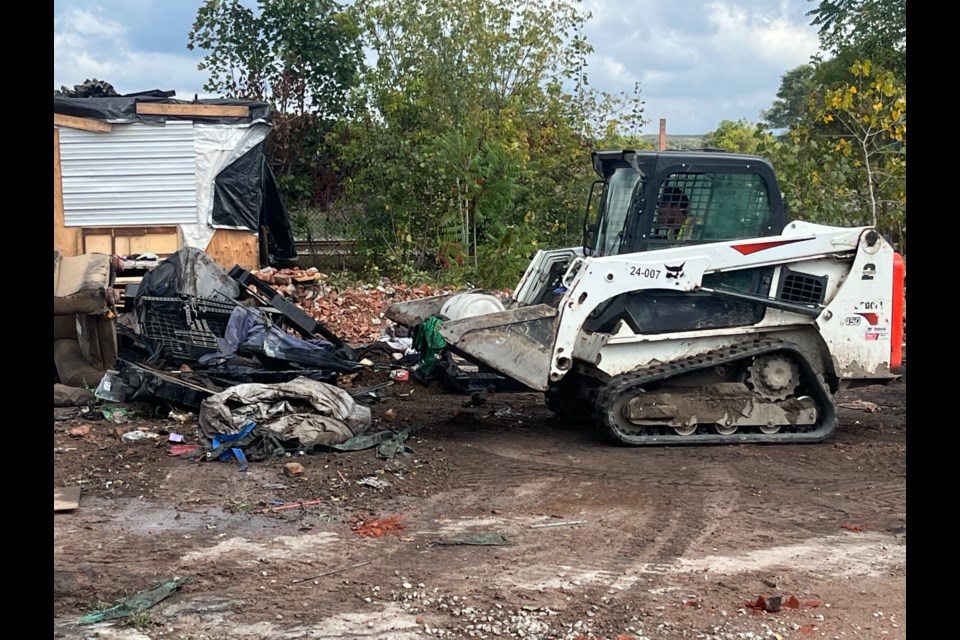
(877,105)
(529,216)
(835,102)
(827,119)
(852,89)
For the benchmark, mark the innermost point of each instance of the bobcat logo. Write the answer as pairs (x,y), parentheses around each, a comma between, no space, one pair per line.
(674,272)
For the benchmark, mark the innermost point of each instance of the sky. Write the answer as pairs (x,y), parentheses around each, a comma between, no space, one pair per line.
(698,62)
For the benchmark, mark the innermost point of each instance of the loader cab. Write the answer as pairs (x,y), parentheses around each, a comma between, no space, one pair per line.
(725,196)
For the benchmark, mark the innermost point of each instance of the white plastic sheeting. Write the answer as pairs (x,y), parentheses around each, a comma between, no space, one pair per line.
(215,148)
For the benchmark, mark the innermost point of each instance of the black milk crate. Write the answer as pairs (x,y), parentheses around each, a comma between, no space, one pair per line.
(186,327)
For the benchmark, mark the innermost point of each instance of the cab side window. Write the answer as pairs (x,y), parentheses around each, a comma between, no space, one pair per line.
(717,206)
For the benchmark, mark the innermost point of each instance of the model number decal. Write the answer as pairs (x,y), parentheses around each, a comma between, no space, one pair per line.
(852,321)
(870,305)
(645,272)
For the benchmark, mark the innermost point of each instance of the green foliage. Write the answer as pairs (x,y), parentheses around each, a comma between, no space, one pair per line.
(300,56)
(864,29)
(846,163)
(790,107)
(466,153)
(737,137)
(141,620)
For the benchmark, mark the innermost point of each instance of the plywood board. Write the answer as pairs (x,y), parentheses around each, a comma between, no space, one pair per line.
(230,247)
(66,498)
(66,241)
(161,109)
(87,124)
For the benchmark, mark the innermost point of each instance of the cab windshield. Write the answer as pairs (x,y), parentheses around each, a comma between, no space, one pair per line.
(623,194)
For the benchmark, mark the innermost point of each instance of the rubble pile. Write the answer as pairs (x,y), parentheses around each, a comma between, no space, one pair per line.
(356,312)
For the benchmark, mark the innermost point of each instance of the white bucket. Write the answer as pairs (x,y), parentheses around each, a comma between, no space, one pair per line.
(469,305)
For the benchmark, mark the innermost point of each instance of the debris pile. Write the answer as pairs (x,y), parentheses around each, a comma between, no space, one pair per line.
(357,312)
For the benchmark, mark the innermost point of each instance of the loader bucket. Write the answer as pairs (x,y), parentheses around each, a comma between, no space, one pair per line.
(413,312)
(517,342)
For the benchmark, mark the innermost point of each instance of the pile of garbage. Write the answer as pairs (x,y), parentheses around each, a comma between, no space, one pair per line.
(253,354)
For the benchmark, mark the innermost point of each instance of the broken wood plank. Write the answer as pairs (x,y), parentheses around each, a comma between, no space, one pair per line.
(161,109)
(87,124)
(66,498)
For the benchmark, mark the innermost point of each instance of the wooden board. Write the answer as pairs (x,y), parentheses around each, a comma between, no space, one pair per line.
(87,124)
(66,241)
(161,109)
(66,498)
(229,247)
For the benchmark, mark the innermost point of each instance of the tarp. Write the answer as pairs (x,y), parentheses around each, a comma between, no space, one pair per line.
(311,412)
(250,332)
(123,109)
(189,272)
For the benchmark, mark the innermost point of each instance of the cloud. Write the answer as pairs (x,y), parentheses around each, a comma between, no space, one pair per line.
(88,45)
(698,62)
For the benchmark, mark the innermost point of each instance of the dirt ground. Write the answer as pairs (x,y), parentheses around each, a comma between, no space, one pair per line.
(594,540)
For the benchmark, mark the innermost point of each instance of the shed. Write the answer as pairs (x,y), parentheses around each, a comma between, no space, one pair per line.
(147,173)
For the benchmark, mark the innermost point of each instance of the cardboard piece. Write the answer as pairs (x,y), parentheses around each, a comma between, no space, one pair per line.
(66,498)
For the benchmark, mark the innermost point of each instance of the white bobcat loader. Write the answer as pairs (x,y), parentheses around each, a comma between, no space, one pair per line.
(730,325)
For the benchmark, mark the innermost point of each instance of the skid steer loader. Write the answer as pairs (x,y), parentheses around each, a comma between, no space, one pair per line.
(736,325)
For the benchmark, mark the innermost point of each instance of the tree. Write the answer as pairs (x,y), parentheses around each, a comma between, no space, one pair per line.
(790,107)
(737,137)
(300,56)
(868,29)
(872,115)
(470,151)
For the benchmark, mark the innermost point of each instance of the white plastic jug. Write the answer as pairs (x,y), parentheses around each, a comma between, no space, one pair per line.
(469,305)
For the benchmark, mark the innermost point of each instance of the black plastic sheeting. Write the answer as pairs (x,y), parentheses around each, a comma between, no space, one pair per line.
(123,109)
(246,195)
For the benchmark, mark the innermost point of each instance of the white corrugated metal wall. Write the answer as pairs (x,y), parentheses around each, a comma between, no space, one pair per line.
(138,174)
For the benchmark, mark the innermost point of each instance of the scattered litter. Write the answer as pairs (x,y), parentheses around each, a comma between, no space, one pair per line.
(117,415)
(329,573)
(175,437)
(181,416)
(292,505)
(138,434)
(293,469)
(390,414)
(379,527)
(861,405)
(373,481)
(135,603)
(79,432)
(770,604)
(852,527)
(567,523)
(66,498)
(184,449)
(111,388)
(400,375)
(394,446)
(482,539)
